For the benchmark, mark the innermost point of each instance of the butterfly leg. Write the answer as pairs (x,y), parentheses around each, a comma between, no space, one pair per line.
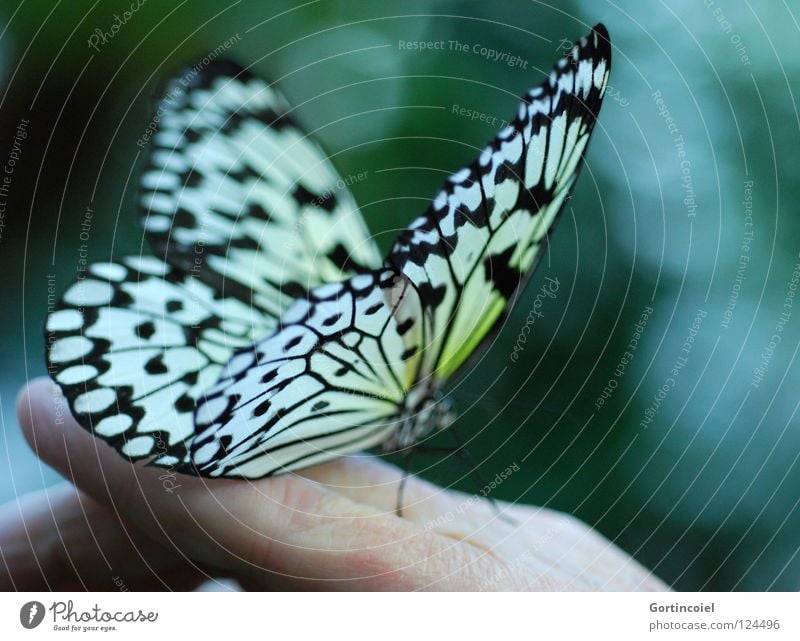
(401,488)
(463,453)
(407,462)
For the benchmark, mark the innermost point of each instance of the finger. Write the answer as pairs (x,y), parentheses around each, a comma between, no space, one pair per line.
(287,529)
(433,508)
(601,564)
(59,539)
(539,549)
(554,551)
(369,480)
(546,544)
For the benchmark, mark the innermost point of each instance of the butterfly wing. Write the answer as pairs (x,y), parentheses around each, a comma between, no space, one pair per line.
(332,380)
(486,230)
(237,195)
(134,343)
(243,213)
(356,363)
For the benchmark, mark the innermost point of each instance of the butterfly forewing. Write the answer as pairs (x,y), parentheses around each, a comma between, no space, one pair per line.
(485,230)
(238,196)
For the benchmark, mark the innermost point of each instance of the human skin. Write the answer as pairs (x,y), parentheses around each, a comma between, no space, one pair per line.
(332,527)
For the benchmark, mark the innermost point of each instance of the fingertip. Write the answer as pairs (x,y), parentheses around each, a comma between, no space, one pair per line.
(24,407)
(57,439)
(42,413)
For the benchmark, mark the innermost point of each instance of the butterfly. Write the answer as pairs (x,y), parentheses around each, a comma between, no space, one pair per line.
(266,333)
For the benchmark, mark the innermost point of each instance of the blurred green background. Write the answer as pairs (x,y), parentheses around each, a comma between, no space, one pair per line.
(699,481)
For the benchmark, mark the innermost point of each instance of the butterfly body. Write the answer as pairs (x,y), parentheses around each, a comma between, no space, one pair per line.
(266,334)
(425,411)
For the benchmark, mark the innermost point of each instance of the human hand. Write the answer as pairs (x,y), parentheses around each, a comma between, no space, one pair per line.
(124,526)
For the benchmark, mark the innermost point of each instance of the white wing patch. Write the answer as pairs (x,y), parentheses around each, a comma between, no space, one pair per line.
(133,350)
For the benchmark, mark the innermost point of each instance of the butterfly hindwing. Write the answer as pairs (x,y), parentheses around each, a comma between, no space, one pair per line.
(134,344)
(331,380)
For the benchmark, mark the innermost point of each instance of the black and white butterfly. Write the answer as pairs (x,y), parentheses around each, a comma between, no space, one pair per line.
(266,333)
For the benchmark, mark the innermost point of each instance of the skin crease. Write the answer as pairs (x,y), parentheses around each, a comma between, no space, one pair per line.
(332,528)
